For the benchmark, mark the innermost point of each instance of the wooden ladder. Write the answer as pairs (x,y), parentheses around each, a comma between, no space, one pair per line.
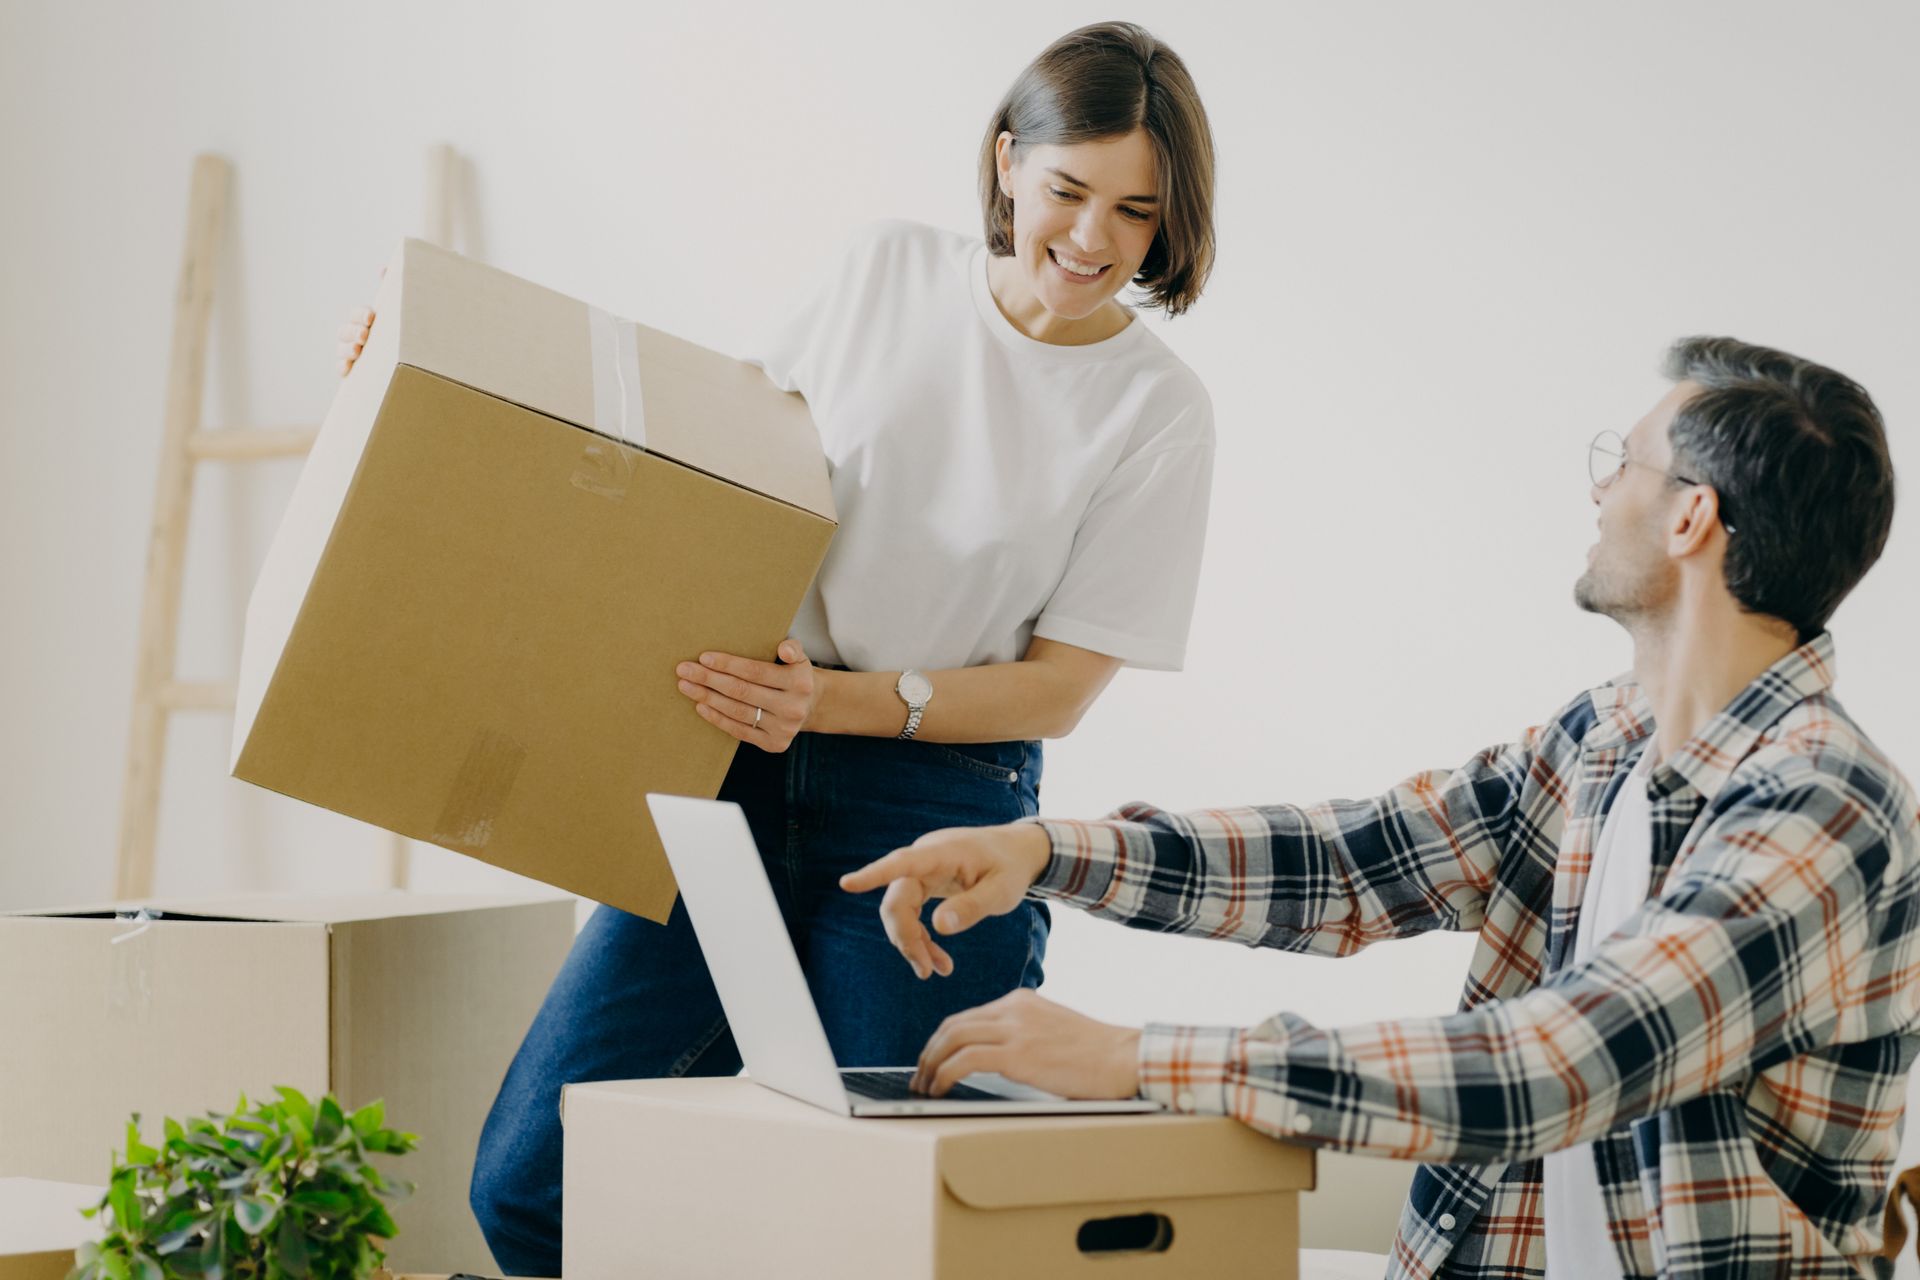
(157,691)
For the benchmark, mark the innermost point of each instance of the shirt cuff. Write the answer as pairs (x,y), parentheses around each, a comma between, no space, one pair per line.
(1080,865)
(1211,1071)
(1188,1069)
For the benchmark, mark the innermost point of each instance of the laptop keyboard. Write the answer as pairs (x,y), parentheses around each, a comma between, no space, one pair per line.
(891,1086)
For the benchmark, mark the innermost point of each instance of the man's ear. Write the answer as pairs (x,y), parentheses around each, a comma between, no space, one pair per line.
(1696,518)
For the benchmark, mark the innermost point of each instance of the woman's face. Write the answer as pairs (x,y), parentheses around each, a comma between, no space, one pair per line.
(1084,217)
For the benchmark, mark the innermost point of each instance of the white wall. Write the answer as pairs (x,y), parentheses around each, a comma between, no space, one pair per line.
(1454,243)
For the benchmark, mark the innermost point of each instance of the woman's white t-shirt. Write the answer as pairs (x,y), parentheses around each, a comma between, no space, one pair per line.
(990,487)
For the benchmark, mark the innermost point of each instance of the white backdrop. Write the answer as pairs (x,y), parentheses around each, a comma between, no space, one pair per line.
(1454,242)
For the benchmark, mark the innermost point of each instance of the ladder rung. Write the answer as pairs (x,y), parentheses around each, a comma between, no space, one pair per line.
(205,695)
(243,444)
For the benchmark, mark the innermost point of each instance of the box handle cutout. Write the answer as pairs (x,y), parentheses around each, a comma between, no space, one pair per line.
(1130,1233)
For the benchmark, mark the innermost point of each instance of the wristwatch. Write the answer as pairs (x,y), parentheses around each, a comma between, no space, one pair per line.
(916,691)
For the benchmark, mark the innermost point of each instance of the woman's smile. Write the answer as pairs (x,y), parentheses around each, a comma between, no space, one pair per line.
(1077,270)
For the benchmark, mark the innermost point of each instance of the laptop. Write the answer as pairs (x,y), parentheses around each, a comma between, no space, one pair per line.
(765,993)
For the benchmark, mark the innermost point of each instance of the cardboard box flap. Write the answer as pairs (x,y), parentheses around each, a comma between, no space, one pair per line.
(193,910)
(516,341)
(349,908)
(1081,1162)
(288,908)
(130,917)
(727,419)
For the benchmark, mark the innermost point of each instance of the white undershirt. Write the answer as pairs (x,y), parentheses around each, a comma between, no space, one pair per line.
(1578,1246)
(991,487)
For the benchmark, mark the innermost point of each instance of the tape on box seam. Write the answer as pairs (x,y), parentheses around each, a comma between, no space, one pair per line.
(130,971)
(619,408)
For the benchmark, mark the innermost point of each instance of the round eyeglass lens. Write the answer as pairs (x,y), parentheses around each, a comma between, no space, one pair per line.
(1605,456)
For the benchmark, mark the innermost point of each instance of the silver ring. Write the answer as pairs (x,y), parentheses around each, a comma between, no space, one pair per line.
(757,713)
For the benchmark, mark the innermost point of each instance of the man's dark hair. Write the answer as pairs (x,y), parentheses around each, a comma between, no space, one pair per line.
(1798,455)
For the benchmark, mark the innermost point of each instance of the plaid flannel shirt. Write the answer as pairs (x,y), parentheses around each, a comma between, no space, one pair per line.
(1736,1051)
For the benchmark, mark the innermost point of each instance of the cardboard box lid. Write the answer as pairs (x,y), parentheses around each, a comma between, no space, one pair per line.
(37,1216)
(512,339)
(1009,1162)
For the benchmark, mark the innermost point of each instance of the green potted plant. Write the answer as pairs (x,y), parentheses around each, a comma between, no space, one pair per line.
(281,1189)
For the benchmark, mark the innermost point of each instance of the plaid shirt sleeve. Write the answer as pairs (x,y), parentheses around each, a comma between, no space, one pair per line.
(1328,879)
(1766,942)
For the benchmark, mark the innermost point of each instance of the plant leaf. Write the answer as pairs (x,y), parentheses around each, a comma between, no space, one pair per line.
(213,1254)
(179,1238)
(126,1205)
(297,1105)
(138,1152)
(329,1122)
(378,1222)
(254,1214)
(294,1257)
(177,1223)
(334,1204)
(370,1118)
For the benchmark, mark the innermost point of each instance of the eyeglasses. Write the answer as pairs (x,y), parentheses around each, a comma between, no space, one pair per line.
(1607,459)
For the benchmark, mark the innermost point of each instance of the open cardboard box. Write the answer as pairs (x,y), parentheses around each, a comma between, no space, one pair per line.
(420,1000)
(519,515)
(724,1178)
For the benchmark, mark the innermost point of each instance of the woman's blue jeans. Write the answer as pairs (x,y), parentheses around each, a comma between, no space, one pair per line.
(633,1000)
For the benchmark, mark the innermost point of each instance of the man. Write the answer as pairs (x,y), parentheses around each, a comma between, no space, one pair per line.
(1682,1046)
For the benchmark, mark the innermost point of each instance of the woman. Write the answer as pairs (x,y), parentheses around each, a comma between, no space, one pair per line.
(1022,471)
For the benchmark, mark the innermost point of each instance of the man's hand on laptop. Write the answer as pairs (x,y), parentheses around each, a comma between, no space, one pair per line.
(980,871)
(1033,1041)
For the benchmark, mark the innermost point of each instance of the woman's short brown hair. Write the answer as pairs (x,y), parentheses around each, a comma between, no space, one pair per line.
(1105,81)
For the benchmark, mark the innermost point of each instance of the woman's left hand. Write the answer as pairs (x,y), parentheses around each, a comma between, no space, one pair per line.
(764,704)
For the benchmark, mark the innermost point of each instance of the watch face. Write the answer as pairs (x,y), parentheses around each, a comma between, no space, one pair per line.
(914,687)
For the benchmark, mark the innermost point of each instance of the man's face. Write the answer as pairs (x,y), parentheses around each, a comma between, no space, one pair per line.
(1629,576)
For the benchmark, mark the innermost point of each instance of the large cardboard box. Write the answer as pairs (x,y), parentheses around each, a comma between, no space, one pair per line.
(722,1178)
(417,999)
(41,1226)
(519,515)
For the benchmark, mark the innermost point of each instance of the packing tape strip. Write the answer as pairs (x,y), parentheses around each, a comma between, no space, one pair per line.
(479,792)
(618,409)
(130,975)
